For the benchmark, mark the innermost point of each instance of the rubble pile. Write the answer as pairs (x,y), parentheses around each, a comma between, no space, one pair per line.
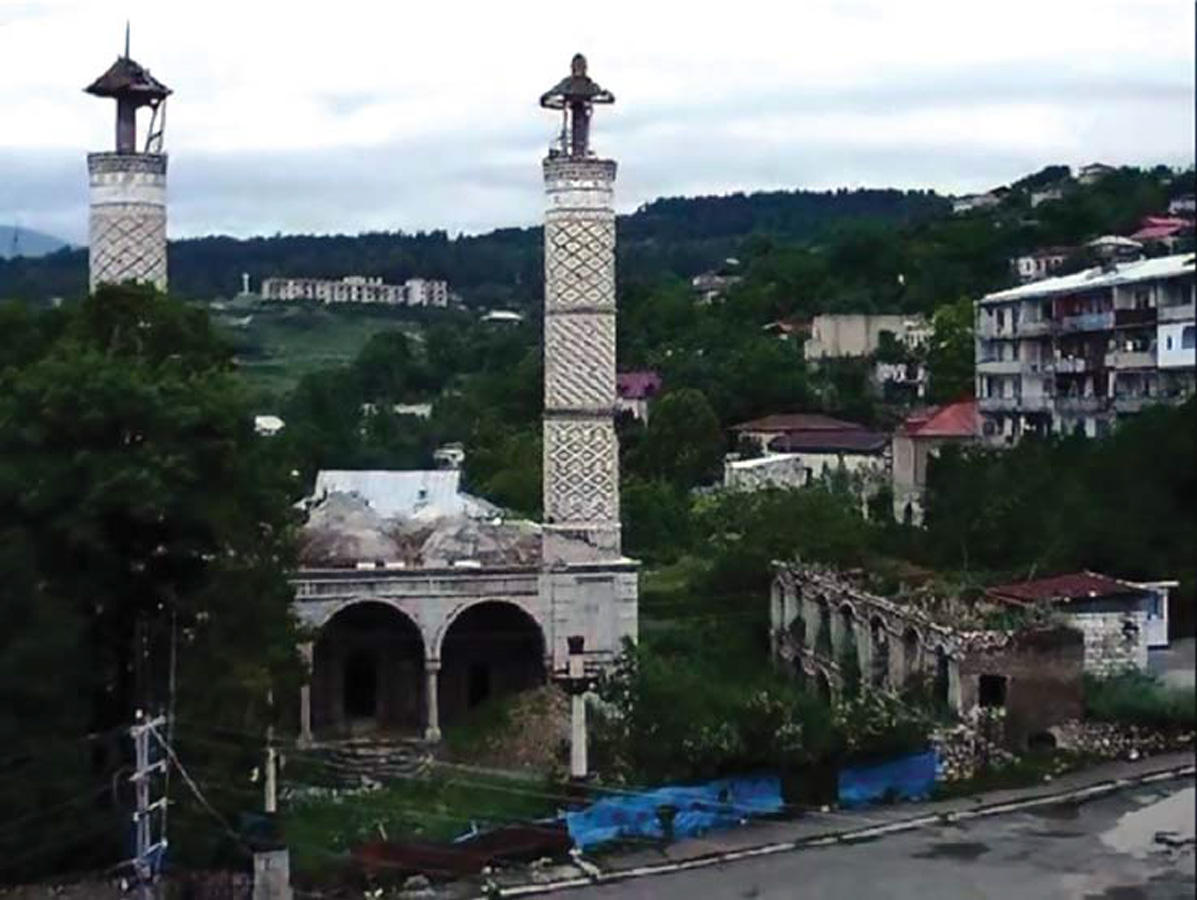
(1110,740)
(961,751)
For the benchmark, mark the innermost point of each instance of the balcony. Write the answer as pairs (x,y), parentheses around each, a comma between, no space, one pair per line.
(1035,329)
(999,404)
(999,367)
(1182,313)
(1132,359)
(990,331)
(1133,403)
(1027,403)
(1077,405)
(1124,317)
(1073,365)
(1102,321)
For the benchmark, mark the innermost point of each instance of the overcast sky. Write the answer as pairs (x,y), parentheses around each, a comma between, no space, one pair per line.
(350,116)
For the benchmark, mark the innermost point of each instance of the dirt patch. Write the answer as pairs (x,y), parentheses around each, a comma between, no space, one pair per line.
(530,731)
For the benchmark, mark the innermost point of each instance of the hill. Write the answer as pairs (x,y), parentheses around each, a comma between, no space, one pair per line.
(18,241)
(679,236)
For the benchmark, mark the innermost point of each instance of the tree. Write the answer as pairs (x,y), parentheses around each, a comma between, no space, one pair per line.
(683,443)
(153,524)
(950,354)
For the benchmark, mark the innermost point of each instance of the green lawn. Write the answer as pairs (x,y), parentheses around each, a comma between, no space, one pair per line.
(282,342)
(321,830)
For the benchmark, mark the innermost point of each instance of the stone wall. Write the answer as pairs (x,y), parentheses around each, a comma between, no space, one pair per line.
(127,221)
(581,452)
(1042,669)
(1115,640)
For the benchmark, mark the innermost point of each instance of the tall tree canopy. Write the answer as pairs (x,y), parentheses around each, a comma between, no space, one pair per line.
(147,538)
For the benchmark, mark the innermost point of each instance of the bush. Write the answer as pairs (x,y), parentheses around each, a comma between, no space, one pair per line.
(1136,698)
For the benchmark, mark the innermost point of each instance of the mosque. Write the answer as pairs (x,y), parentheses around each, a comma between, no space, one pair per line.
(417,601)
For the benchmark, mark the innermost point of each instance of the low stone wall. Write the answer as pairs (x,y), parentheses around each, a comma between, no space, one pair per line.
(1110,740)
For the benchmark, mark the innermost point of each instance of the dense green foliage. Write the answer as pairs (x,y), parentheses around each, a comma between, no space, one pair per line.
(499,268)
(147,539)
(1122,505)
(1136,698)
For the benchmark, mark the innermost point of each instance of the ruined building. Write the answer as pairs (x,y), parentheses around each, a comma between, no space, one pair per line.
(127,211)
(422,602)
(829,632)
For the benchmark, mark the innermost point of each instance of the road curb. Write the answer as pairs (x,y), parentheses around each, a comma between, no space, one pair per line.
(1089,792)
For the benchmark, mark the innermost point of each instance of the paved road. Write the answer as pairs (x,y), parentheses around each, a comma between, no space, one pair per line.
(1101,850)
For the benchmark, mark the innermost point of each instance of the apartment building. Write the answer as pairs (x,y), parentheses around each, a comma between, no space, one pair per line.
(357,289)
(1078,352)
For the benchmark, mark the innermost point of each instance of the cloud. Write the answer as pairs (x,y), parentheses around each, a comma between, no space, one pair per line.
(369,116)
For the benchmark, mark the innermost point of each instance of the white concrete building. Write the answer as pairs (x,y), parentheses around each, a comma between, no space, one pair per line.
(859,334)
(1079,351)
(357,289)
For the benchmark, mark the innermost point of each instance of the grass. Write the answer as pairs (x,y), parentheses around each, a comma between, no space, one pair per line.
(321,830)
(1136,698)
(283,342)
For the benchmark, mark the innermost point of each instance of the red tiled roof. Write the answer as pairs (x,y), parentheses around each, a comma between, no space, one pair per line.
(1154,232)
(959,419)
(793,422)
(1057,588)
(637,385)
(855,440)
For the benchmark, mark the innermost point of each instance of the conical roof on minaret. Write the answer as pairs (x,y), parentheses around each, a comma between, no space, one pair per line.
(126,78)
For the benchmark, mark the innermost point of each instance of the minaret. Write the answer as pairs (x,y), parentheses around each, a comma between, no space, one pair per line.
(581,454)
(127,222)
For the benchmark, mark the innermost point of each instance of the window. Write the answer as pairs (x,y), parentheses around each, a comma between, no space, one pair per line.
(991,690)
(1188,338)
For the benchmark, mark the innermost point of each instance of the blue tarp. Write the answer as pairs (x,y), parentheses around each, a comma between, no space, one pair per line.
(906,778)
(717,804)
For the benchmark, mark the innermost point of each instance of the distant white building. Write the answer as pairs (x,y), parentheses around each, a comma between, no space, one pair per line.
(1186,204)
(449,456)
(780,470)
(1045,195)
(1039,263)
(1094,172)
(357,289)
(969,202)
(268,426)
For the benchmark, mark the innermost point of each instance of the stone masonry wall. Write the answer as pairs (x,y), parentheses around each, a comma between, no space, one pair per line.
(127,220)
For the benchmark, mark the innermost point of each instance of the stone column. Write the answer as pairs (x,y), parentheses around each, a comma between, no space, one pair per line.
(577,738)
(432,712)
(305,696)
(127,222)
(581,455)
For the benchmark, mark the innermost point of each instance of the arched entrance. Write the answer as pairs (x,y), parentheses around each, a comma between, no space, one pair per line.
(367,668)
(490,650)
(878,653)
(910,656)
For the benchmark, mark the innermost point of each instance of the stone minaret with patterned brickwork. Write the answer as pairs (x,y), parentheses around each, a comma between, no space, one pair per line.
(127,221)
(581,454)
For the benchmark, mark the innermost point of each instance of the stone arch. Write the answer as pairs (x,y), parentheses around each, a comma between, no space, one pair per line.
(943,677)
(824,628)
(367,671)
(487,650)
(911,646)
(878,652)
(823,686)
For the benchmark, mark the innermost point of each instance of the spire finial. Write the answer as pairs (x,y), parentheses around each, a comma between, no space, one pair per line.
(126,38)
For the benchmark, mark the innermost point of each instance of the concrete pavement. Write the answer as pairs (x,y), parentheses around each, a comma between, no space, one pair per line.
(769,839)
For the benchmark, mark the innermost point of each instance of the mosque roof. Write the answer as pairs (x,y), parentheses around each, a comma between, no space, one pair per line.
(126,78)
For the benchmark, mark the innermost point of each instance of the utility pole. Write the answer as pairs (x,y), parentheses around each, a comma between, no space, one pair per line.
(270,782)
(143,819)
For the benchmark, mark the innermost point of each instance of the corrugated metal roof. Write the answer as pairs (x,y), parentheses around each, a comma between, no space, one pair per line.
(1072,586)
(1174,266)
(841,441)
(428,493)
(786,422)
